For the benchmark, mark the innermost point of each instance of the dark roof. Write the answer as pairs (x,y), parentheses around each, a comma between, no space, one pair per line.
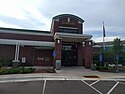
(24,30)
(69,15)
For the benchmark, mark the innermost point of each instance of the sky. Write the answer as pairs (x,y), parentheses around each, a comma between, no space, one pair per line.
(37,15)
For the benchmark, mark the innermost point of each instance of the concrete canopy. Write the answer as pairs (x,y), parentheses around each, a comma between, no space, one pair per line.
(67,37)
(27,43)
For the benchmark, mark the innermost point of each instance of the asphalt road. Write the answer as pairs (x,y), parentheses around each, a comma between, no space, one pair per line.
(64,87)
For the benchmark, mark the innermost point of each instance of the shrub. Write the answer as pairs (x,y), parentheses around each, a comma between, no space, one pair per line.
(103,67)
(27,70)
(5,63)
(93,66)
(16,70)
(13,70)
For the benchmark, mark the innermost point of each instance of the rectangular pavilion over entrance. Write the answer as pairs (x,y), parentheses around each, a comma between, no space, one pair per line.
(66,37)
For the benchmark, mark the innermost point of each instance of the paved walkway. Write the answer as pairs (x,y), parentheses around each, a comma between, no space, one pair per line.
(81,71)
(69,73)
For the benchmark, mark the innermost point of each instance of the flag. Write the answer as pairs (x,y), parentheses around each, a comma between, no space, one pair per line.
(104,30)
(103,36)
(100,57)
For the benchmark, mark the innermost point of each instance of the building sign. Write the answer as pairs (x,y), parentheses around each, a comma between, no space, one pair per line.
(47,59)
(23,59)
(43,58)
(40,58)
(68,23)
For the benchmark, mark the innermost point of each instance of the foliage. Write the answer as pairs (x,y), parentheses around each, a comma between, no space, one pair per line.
(96,59)
(105,68)
(16,70)
(93,66)
(109,57)
(117,49)
(6,63)
(117,45)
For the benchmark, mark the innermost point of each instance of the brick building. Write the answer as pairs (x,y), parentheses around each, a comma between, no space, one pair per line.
(66,38)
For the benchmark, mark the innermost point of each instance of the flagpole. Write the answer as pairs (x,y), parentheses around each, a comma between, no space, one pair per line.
(103,36)
(104,43)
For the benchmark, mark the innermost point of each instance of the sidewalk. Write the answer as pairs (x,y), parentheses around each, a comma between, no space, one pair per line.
(66,73)
(81,71)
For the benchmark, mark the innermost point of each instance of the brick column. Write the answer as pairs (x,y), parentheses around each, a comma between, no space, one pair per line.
(58,49)
(88,53)
(80,54)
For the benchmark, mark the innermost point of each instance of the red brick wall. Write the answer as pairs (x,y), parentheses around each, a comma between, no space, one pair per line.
(63,22)
(88,54)
(7,52)
(80,54)
(28,53)
(37,57)
(25,37)
(58,49)
(43,57)
(55,27)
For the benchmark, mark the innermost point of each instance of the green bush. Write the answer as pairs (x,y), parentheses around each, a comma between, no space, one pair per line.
(16,70)
(5,63)
(104,68)
(93,66)
(13,70)
(27,70)
(3,71)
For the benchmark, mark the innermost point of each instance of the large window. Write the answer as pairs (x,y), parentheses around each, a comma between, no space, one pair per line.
(67,30)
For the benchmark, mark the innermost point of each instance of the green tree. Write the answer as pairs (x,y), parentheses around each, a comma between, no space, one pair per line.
(117,45)
(117,49)
(110,55)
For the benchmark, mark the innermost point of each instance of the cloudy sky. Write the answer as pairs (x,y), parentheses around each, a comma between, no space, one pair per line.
(37,14)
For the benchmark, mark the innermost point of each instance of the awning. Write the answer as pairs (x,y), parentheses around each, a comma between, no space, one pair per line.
(27,43)
(68,37)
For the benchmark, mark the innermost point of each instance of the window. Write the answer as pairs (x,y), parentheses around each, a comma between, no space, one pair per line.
(66,30)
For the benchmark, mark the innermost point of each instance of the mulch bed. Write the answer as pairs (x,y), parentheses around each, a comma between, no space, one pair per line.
(91,76)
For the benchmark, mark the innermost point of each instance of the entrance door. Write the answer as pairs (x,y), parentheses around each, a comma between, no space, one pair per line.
(69,55)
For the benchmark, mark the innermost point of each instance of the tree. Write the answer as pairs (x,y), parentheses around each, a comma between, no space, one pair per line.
(117,45)
(117,49)
(109,56)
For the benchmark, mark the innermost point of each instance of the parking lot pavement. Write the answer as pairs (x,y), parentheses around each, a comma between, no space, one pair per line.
(68,87)
(29,87)
(120,89)
(104,86)
(64,87)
